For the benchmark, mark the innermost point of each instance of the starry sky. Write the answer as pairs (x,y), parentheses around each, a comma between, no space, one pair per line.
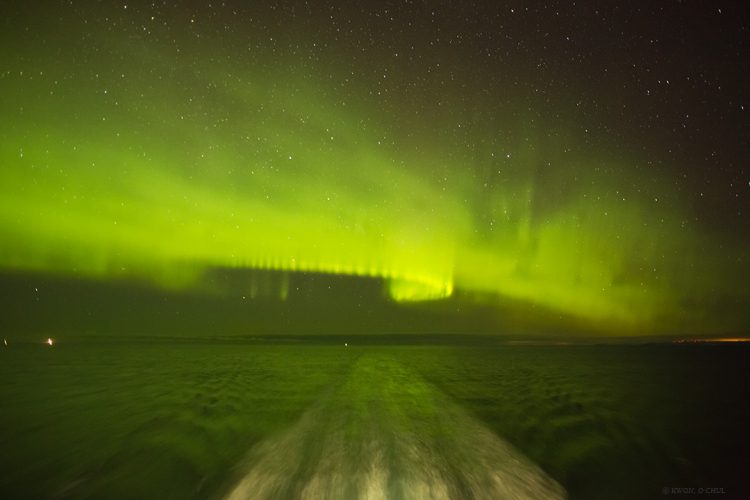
(564,163)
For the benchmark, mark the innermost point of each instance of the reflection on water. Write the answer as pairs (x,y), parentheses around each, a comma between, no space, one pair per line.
(387,433)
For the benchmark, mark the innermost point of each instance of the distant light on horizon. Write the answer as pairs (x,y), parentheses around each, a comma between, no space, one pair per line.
(706,340)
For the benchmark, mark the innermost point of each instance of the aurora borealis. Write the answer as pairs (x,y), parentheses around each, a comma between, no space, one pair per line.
(587,161)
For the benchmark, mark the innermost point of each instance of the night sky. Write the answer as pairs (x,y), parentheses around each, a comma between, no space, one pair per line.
(437,167)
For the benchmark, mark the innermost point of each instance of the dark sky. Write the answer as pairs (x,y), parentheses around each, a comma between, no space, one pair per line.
(544,167)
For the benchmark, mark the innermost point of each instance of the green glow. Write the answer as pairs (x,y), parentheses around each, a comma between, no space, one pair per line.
(114,174)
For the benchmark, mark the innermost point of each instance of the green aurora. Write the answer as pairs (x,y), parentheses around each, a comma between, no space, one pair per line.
(136,149)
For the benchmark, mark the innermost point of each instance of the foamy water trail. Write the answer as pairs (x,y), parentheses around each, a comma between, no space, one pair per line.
(389,434)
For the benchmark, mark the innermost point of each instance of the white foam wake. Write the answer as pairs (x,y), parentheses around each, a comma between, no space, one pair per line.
(387,433)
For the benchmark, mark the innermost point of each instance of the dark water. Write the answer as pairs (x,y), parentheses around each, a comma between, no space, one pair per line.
(240,420)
